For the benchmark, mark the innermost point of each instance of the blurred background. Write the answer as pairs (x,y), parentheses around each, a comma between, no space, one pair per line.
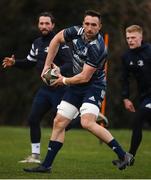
(18,20)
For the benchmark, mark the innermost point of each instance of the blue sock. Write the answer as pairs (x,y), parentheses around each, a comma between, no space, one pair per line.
(53,148)
(114,145)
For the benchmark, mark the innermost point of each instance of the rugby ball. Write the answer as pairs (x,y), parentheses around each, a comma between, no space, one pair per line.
(50,76)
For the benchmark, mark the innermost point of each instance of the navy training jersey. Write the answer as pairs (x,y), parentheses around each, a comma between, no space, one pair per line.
(38,54)
(137,62)
(92,53)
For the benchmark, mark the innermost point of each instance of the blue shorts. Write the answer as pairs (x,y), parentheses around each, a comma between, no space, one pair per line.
(92,93)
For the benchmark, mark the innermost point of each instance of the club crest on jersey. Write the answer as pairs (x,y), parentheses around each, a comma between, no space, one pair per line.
(140,63)
(46,49)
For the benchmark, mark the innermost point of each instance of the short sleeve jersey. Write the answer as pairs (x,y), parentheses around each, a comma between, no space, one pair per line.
(92,53)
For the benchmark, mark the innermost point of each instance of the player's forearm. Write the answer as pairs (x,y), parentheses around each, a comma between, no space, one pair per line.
(24,63)
(125,91)
(82,77)
(77,79)
(53,49)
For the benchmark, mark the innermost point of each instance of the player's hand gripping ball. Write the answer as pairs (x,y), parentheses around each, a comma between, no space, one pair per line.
(50,76)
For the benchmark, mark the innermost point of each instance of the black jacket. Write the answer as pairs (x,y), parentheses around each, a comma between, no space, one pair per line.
(38,53)
(138,63)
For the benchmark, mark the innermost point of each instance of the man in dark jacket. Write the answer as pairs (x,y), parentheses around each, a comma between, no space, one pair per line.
(47,97)
(137,62)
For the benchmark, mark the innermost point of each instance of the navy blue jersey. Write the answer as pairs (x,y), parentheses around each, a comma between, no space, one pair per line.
(92,53)
(38,54)
(138,63)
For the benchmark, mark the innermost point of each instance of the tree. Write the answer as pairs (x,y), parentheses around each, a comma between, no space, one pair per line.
(18,29)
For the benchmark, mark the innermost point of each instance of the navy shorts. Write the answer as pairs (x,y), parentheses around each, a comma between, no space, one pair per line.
(92,93)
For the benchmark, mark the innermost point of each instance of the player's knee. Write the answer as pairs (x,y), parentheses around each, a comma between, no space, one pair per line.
(87,122)
(59,122)
(89,113)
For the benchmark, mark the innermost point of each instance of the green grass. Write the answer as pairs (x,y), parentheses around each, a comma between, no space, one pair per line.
(82,156)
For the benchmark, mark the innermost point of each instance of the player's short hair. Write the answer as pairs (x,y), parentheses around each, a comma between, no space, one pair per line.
(93,14)
(47,14)
(134,28)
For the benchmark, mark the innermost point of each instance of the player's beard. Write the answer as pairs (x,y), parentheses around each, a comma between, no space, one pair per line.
(44,32)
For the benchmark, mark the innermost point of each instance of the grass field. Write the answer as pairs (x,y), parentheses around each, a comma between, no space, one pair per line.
(82,157)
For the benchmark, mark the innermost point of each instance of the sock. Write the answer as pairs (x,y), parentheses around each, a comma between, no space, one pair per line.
(114,145)
(35,148)
(53,148)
